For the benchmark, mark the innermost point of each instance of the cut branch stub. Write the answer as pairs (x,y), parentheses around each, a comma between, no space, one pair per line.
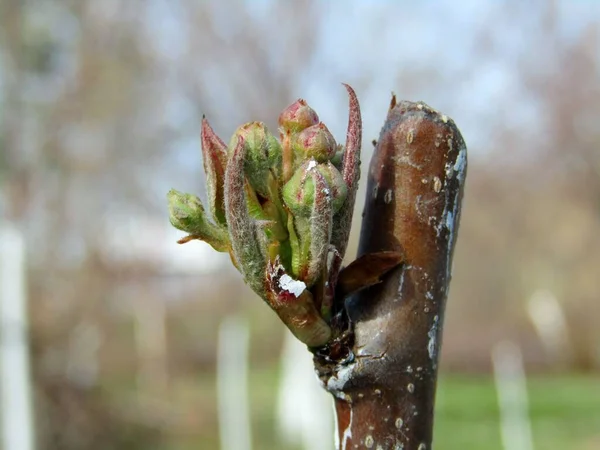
(385,390)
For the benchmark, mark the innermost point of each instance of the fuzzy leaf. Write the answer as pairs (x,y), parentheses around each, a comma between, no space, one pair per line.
(320,228)
(243,230)
(214,157)
(350,173)
(262,155)
(326,293)
(296,259)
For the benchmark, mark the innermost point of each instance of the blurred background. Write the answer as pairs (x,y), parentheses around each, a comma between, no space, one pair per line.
(100,105)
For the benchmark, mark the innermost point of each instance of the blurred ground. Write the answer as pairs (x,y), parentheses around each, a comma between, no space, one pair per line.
(100,107)
(564,413)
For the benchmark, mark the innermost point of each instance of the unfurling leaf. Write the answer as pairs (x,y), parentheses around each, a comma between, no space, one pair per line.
(245,242)
(262,155)
(214,157)
(187,214)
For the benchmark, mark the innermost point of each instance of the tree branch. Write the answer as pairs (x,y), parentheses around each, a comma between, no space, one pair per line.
(384,381)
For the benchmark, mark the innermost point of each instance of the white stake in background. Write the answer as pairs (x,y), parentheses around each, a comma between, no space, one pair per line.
(550,322)
(232,385)
(305,413)
(511,386)
(17,422)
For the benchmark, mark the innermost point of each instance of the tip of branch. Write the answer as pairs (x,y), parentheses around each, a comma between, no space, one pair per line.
(393,101)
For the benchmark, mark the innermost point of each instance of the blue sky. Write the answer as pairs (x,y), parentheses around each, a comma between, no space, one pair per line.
(375,40)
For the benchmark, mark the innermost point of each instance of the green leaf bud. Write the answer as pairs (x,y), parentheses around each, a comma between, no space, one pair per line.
(186,213)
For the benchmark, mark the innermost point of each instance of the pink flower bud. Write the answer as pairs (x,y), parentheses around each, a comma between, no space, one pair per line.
(297,117)
(316,142)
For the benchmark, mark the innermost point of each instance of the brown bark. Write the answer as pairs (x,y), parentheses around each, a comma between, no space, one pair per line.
(384,380)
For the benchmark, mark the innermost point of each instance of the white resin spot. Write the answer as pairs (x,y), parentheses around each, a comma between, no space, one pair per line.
(336,383)
(432,335)
(347,432)
(399,423)
(375,190)
(460,164)
(437,184)
(292,286)
(387,198)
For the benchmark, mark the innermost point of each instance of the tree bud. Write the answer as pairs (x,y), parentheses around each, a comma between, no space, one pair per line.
(316,142)
(187,214)
(297,117)
(338,158)
(263,153)
(299,192)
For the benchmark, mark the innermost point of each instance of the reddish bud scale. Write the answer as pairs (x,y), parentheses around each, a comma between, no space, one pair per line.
(350,173)
(214,158)
(243,231)
(295,307)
